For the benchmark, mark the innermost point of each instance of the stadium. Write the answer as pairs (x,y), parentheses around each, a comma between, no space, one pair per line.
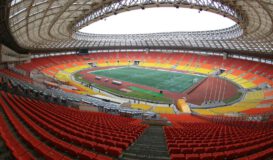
(166,95)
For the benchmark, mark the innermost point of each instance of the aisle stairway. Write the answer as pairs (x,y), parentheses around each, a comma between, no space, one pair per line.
(150,146)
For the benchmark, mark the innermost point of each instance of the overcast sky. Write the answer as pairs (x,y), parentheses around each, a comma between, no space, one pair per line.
(156,20)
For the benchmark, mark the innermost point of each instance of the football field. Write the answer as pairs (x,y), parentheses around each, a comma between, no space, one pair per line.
(163,80)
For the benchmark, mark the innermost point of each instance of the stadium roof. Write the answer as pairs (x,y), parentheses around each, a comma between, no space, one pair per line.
(42,25)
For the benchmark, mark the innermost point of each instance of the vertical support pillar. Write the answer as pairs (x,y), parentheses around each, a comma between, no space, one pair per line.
(225,56)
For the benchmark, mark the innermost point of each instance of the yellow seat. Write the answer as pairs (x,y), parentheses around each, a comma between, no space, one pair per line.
(251,100)
(203,111)
(144,107)
(240,81)
(75,69)
(103,65)
(203,70)
(159,109)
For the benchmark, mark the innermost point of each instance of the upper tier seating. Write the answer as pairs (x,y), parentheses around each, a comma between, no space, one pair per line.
(247,74)
(44,62)
(251,100)
(238,70)
(15,75)
(269,94)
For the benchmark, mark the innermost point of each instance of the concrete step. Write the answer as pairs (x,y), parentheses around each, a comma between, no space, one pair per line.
(131,156)
(151,145)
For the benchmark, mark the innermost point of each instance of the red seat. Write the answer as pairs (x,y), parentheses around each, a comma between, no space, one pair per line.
(89,144)
(230,147)
(198,150)
(192,157)
(65,158)
(206,156)
(183,145)
(54,155)
(26,156)
(101,157)
(209,149)
(241,152)
(110,142)
(178,157)
(220,148)
(193,145)
(99,140)
(186,150)
(76,151)
(174,150)
(101,148)
(230,154)
(122,145)
(261,155)
(218,155)
(114,151)
(86,155)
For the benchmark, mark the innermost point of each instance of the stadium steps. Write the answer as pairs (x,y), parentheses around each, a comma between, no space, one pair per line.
(150,146)
(4,151)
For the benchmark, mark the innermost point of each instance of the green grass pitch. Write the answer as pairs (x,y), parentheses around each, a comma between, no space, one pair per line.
(163,80)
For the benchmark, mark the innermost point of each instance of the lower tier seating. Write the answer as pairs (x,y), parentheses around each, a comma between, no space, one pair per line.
(163,110)
(84,135)
(18,151)
(144,107)
(251,100)
(208,140)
